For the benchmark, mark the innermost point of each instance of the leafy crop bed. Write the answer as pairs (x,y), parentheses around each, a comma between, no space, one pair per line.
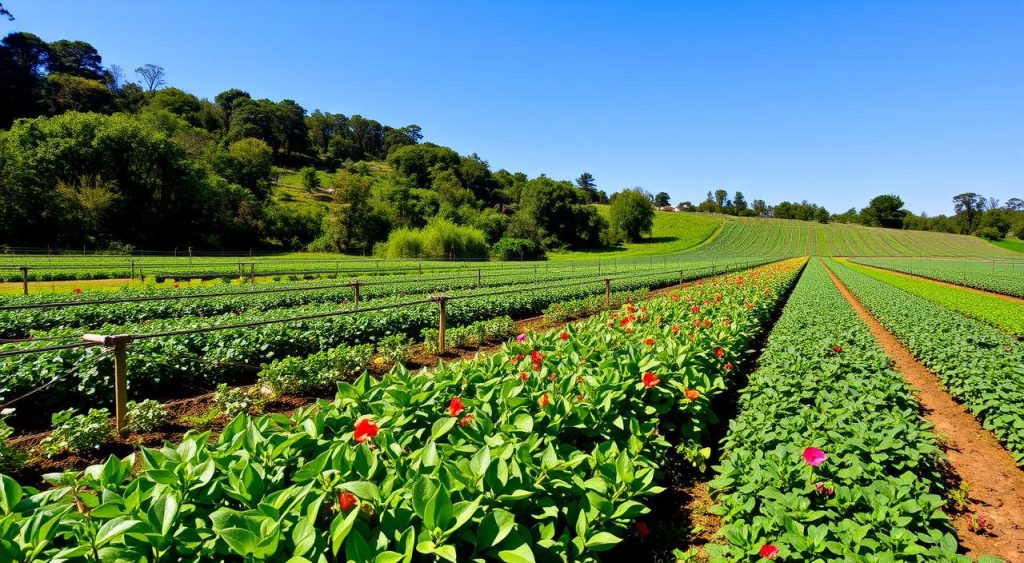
(545,451)
(1001,276)
(824,383)
(980,366)
(998,311)
(163,365)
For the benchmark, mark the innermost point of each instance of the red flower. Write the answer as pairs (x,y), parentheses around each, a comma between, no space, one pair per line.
(524,376)
(175,286)
(837,348)
(728,322)
(78,291)
(718,298)
(728,366)
(624,321)
(692,394)
(455,406)
(768,551)
(642,530)
(650,380)
(631,308)
(629,330)
(695,310)
(365,429)
(466,420)
(675,329)
(707,322)
(579,398)
(719,352)
(543,401)
(347,500)
(649,342)
(564,335)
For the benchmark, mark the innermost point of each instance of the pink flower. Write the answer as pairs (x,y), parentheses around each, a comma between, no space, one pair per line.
(521,337)
(814,457)
(768,551)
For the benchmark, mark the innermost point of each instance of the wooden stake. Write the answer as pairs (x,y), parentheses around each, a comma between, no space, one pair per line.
(355,290)
(442,317)
(24,279)
(608,292)
(119,343)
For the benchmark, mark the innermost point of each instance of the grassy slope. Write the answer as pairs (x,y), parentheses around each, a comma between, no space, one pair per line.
(673,233)
(1015,245)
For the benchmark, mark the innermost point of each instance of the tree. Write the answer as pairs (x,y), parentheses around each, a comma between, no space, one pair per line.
(661,200)
(76,58)
(721,198)
(67,92)
(310,179)
(247,163)
(1014,204)
(761,208)
(739,203)
(5,12)
(586,183)
(152,76)
(967,206)
(22,64)
(631,216)
(353,225)
(884,211)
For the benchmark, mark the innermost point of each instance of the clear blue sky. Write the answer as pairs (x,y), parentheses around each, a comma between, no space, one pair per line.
(832,102)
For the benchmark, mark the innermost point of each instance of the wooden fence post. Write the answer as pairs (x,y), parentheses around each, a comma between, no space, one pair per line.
(608,292)
(442,318)
(24,279)
(478,279)
(355,290)
(119,342)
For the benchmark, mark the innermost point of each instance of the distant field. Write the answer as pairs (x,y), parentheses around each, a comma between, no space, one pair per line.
(1015,245)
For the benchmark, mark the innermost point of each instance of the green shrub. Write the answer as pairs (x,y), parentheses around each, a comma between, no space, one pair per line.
(474,334)
(509,248)
(145,416)
(989,233)
(439,239)
(233,401)
(293,375)
(10,458)
(394,348)
(77,432)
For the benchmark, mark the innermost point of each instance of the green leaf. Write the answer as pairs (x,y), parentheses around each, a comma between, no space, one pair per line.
(603,541)
(442,426)
(494,527)
(241,541)
(10,494)
(340,527)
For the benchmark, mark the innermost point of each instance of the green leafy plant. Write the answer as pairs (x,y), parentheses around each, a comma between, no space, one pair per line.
(145,416)
(233,401)
(202,421)
(10,458)
(78,432)
(394,348)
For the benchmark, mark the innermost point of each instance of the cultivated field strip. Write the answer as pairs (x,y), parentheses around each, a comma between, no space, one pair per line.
(1000,276)
(876,495)
(999,311)
(170,354)
(979,365)
(549,448)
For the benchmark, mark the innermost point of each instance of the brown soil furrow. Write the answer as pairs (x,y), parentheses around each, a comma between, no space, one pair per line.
(996,483)
(1011,298)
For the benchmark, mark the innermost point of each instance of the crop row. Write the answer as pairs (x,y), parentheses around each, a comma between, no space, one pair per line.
(979,365)
(545,451)
(815,475)
(1001,276)
(996,310)
(21,322)
(163,365)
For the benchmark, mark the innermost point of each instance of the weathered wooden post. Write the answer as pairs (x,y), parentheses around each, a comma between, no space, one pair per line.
(479,281)
(119,342)
(608,292)
(355,292)
(442,317)
(24,279)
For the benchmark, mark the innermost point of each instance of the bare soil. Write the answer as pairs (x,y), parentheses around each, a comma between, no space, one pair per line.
(975,455)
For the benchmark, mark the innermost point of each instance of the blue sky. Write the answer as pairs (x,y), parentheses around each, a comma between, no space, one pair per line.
(833,102)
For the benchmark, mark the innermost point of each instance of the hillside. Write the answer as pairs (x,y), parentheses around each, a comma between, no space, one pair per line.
(680,232)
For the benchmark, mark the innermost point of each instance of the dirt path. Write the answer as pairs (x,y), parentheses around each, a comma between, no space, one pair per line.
(1011,298)
(996,483)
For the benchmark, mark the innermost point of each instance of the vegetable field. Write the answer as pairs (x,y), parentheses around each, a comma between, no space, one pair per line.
(548,450)
(1002,275)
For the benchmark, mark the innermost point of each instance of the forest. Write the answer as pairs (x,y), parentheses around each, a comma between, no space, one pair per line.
(89,158)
